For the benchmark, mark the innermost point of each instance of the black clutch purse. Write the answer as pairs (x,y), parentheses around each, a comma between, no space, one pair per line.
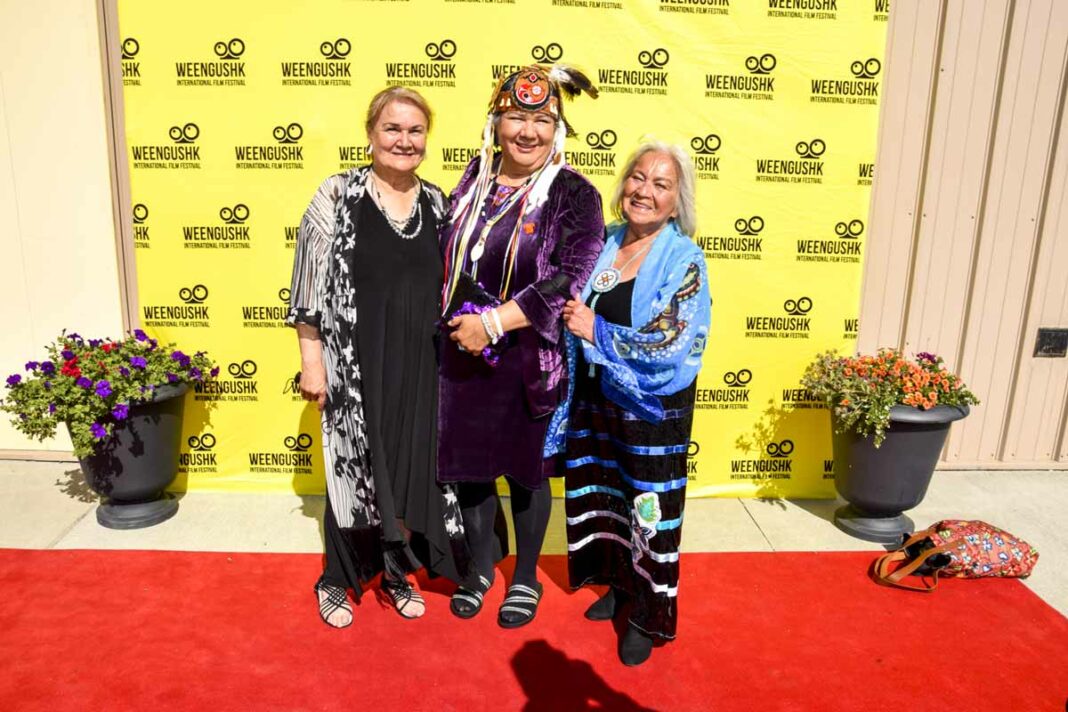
(469,292)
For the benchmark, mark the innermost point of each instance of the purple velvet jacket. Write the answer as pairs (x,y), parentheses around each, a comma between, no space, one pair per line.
(569,231)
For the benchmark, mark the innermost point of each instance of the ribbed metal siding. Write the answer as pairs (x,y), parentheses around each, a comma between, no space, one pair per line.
(968,248)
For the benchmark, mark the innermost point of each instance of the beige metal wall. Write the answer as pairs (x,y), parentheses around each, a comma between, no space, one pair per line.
(968,245)
(57,221)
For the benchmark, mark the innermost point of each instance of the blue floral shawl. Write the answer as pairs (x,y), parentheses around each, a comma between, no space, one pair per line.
(672,309)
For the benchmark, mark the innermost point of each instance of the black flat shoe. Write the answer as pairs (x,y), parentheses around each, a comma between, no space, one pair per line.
(606,607)
(520,605)
(635,647)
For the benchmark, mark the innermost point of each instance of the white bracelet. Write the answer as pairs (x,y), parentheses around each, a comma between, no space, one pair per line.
(497,321)
(484,318)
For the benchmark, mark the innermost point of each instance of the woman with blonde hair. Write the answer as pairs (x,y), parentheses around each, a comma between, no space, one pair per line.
(364,300)
(638,332)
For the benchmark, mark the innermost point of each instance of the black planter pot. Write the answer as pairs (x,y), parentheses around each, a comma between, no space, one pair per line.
(881,483)
(134,466)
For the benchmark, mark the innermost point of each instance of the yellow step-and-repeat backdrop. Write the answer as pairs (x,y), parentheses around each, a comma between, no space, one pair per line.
(236,111)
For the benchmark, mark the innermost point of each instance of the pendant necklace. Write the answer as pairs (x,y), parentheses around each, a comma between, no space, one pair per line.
(608,279)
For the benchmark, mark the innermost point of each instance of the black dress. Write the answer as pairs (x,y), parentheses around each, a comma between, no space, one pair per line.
(626,490)
(398,285)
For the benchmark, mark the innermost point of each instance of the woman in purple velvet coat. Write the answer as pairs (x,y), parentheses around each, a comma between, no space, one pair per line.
(523,234)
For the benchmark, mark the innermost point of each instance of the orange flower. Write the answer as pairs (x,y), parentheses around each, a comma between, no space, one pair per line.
(849,372)
(845,401)
(528,228)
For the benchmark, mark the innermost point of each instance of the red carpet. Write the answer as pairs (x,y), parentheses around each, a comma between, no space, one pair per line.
(98,630)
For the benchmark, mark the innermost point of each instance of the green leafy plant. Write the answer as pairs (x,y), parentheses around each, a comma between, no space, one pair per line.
(861,390)
(91,384)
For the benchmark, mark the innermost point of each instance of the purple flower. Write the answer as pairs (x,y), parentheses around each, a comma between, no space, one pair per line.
(103,389)
(32,365)
(195,373)
(215,372)
(51,408)
(140,335)
(99,431)
(76,337)
(925,356)
(138,361)
(48,368)
(67,354)
(124,372)
(13,380)
(181,358)
(48,385)
(172,378)
(152,344)
(83,382)
(120,411)
(93,343)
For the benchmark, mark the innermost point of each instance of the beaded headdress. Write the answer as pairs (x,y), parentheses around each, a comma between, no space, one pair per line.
(539,88)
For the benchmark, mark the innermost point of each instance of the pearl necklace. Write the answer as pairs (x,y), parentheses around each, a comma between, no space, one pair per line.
(398,226)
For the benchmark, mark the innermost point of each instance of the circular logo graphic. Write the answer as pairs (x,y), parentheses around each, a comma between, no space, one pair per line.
(752,226)
(201,443)
(235,215)
(338,49)
(707,144)
(301,443)
(245,369)
(442,51)
(851,230)
(781,449)
(797,307)
(764,64)
(288,134)
(868,69)
(193,295)
(548,53)
(230,50)
(656,59)
(603,141)
(140,213)
(811,149)
(187,133)
(130,48)
(738,379)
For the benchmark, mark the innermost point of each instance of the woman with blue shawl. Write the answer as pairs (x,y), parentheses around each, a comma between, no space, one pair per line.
(637,333)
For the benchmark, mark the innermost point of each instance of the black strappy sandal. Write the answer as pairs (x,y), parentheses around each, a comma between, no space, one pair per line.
(337,599)
(402,594)
(467,602)
(522,600)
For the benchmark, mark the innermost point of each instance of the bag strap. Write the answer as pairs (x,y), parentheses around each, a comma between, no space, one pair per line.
(896,578)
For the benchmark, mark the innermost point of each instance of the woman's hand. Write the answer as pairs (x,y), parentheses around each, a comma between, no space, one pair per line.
(313,383)
(579,319)
(468,332)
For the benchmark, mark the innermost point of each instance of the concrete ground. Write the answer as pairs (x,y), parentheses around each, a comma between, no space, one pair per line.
(46,505)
